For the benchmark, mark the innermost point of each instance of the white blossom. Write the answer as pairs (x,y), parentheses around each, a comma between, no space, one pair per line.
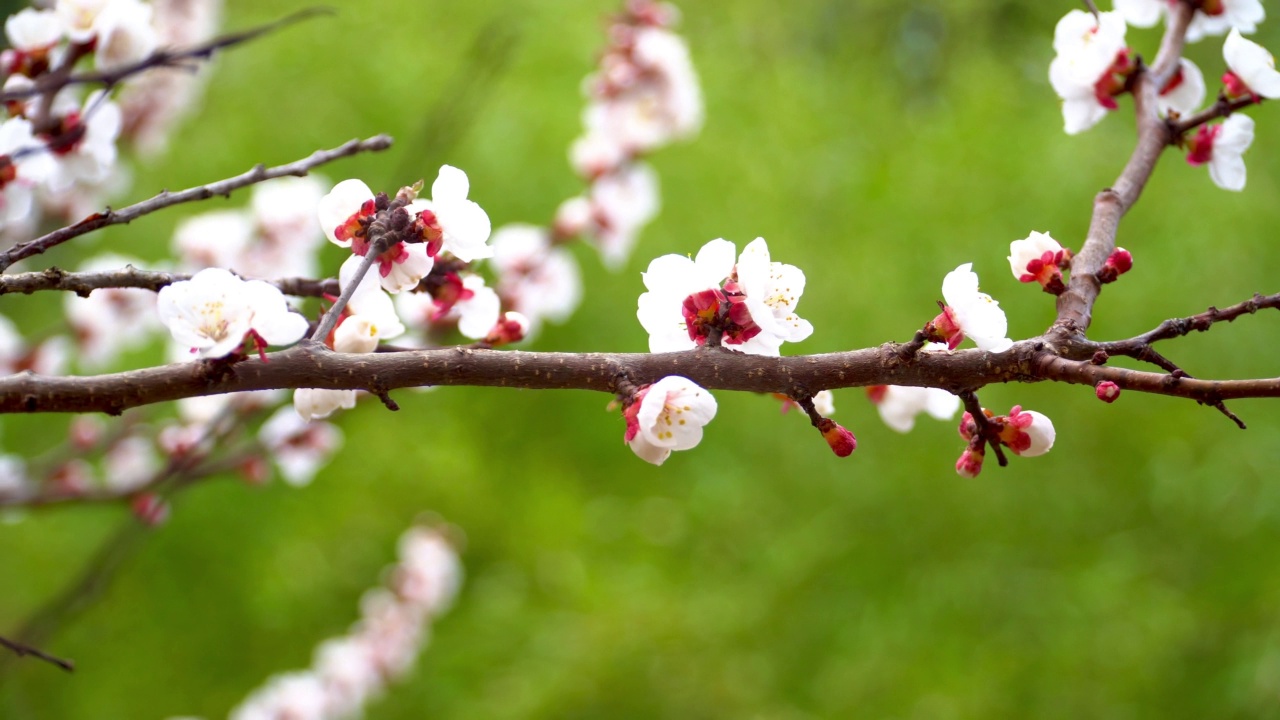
(1185,92)
(668,415)
(299,448)
(1086,50)
(464,225)
(111,320)
(319,403)
(671,279)
(1242,15)
(1222,147)
(535,278)
(1252,64)
(31,30)
(213,312)
(976,313)
(623,202)
(30,168)
(771,290)
(899,405)
(125,34)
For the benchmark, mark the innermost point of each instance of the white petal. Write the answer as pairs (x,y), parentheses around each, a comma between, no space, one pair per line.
(451,185)
(343,201)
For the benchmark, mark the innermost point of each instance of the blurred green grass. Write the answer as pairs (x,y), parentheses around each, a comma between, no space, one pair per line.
(1128,574)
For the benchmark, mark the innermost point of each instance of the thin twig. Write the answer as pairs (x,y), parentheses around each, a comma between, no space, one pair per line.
(83,283)
(200,192)
(52,82)
(23,650)
(330,319)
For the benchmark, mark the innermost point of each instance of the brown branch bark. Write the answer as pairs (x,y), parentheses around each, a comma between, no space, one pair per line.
(310,365)
(24,650)
(1075,306)
(83,283)
(200,192)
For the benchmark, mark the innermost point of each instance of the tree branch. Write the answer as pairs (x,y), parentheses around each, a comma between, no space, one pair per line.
(1075,306)
(51,83)
(200,192)
(83,283)
(23,650)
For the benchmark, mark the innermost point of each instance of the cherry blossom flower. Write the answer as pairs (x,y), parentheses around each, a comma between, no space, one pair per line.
(464,299)
(1184,93)
(673,279)
(32,35)
(450,221)
(44,358)
(19,177)
(320,403)
(667,415)
(124,34)
(622,203)
(345,213)
(535,278)
(751,303)
(1090,67)
(771,291)
(1222,147)
(299,448)
(1252,69)
(899,405)
(214,312)
(218,238)
(512,327)
(970,313)
(1038,258)
(1028,433)
(130,464)
(84,145)
(1212,18)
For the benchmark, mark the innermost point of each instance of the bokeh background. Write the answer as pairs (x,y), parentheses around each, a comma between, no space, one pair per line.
(1130,573)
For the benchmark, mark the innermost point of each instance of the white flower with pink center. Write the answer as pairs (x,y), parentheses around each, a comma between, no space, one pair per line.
(345,213)
(1027,433)
(19,177)
(30,30)
(450,221)
(464,299)
(1222,146)
(535,278)
(667,415)
(1037,258)
(1215,17)
(299,448)
(970,313)
(771,291)
(1253,69)
(214,312)
(1089,68)
(1184,93)
(669,310)
(89,158)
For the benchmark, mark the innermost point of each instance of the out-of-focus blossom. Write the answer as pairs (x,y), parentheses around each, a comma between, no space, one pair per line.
(111,320)
(1090,67)
(1184,93)
(1212,18)
(299,448)
(899,405)
(535,278)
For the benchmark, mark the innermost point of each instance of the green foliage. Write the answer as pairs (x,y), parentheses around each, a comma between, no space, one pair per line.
(877,145)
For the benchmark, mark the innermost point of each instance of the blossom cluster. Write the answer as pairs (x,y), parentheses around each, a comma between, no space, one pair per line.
(58,150)
(351,670)
(748,304)
(1093,66)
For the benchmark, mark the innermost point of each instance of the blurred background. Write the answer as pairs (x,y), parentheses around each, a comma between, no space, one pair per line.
(1130,573)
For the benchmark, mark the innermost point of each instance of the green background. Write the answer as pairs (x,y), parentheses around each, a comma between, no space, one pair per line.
(1130,573)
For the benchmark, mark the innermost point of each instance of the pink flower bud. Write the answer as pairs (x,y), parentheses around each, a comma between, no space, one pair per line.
(511,328)
(1107,391)
(1118,263)
(970,462)
(842,442)
(150,508)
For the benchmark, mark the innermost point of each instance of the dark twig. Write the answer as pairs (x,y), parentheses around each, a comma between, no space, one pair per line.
(1220,109)
(330,319)
(51,83)
(200,192)
(83,283)
(23,650)
(986,430)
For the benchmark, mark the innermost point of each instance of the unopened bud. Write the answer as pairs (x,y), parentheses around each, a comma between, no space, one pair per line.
(842,442)
(150,508)
(510,328)
(1107,391)
(1118,263)
(970,462)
